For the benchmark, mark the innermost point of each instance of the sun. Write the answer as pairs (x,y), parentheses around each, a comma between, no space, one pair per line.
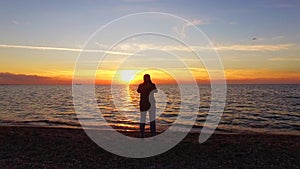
(126,76)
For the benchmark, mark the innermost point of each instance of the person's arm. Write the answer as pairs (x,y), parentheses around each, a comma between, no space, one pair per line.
(139,89)
(154,89)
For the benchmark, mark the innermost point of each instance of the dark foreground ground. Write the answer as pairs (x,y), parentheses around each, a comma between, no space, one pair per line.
(24,147)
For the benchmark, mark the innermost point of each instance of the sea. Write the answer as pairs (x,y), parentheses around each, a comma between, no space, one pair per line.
(253,108)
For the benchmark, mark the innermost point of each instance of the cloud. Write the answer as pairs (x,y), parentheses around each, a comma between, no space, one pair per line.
(62,49)
(233,23)
(238,47)
(129,49)
(11,78)
(284,59)
(15,22)
(195,22)
(262,76)
(278,37)
(276,47)
(181,31)
(241,47)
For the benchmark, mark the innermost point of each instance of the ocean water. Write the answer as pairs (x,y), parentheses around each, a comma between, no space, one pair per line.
(249,108)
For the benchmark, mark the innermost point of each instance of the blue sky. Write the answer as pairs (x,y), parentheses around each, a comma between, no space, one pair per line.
(56,22)
(228,24)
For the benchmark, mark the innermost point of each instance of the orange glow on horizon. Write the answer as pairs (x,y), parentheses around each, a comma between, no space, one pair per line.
(132,76)
(125,76)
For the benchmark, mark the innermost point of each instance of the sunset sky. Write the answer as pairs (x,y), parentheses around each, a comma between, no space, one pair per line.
(257,41)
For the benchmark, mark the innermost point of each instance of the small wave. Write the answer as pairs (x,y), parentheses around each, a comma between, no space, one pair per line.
(168,115)
(62,123)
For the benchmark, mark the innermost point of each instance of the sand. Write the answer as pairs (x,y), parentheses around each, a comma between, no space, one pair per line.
(33,147)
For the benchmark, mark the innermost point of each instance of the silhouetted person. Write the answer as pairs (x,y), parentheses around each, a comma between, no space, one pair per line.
(147,103)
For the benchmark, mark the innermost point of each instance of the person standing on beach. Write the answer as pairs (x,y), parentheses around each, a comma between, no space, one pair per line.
(147,103)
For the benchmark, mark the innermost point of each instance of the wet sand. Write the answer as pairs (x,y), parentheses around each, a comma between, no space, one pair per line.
(32,147)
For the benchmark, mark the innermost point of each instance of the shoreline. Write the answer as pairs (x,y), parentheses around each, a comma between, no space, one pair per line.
(194,130)
(43,147)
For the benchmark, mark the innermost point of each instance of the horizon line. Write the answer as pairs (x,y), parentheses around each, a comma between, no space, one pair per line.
(120,84)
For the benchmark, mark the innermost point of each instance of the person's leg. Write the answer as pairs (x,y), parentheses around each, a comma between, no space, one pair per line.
(152,115)
(142,124)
